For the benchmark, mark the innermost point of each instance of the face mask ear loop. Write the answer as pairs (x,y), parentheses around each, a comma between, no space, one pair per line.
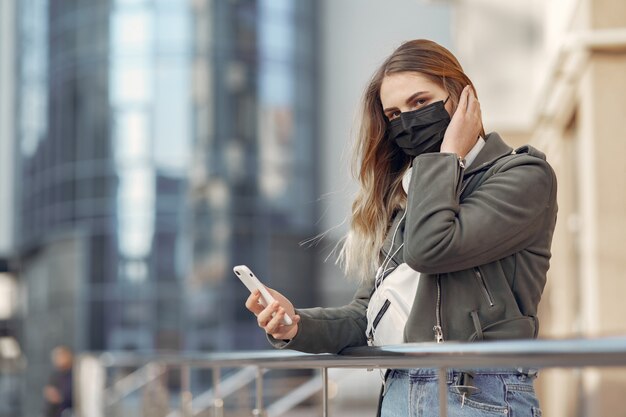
(446,100)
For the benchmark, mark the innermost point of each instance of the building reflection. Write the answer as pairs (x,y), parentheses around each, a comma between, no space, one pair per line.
(160,143)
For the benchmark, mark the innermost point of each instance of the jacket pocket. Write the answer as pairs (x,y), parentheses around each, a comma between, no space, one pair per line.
(483,286)
(522,327)
(381,313)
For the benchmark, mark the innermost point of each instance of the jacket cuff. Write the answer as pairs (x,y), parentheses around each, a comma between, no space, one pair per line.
(290,343)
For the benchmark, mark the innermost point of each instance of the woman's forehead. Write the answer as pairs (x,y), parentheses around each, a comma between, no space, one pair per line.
(395,88)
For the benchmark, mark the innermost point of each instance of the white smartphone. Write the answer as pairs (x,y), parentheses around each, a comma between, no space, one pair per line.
(252,283)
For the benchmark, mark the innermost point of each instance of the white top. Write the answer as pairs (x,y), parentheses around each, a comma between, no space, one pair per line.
(473,153)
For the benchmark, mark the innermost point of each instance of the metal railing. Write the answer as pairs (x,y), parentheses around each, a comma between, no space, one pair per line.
(574,353)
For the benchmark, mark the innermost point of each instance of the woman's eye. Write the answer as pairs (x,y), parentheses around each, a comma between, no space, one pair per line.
(394,115)
(420,102)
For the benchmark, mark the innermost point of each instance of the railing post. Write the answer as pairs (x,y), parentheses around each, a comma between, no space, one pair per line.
(324,392)
(186,397)
(259,411)
(443,392)
(89,386)
(218,402)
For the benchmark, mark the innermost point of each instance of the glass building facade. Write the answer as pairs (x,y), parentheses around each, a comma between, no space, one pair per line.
(253,179)
(161,142)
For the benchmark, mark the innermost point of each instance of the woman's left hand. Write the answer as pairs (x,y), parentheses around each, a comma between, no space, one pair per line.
(465,125)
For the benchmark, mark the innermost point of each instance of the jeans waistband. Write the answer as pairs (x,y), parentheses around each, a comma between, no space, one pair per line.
(433,373)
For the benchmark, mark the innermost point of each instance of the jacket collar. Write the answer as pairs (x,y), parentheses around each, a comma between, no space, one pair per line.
(494,149)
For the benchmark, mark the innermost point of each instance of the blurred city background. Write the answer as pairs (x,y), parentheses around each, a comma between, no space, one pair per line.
(147,146)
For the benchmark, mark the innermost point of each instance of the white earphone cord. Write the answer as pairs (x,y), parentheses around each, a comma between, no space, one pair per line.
(389,257)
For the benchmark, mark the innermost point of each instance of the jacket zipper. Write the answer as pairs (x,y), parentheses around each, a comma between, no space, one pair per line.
(483,286)
(461,185)
(437,328)
(467,181)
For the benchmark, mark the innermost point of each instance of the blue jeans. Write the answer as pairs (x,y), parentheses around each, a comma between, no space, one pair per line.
(503,392)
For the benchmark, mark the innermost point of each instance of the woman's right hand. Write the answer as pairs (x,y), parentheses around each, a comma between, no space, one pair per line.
(273,325)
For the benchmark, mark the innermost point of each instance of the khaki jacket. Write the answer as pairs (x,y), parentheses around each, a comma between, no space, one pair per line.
(481,239)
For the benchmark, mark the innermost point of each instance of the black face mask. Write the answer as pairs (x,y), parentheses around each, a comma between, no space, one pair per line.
(420,131)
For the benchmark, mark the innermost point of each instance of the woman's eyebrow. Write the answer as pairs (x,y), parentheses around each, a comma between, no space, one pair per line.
(408,100)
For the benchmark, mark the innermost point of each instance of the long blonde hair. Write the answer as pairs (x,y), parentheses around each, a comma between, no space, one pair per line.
(378,163)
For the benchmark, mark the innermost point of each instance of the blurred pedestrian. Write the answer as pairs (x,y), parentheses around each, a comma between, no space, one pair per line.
(156,396)
(58,391)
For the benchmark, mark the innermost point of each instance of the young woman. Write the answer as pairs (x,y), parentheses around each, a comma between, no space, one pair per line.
(474,217)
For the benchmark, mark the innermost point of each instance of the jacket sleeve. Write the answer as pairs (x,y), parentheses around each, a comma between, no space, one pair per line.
(501,217)
(330,330)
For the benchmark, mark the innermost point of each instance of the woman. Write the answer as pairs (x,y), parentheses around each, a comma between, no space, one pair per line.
(476,220)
